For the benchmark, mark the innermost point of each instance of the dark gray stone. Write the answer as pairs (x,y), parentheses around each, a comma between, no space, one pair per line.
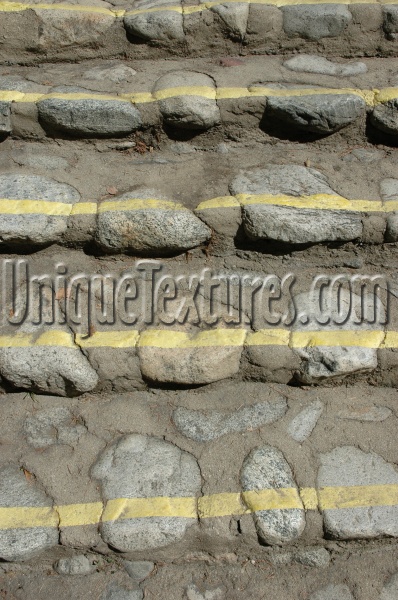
(385,117)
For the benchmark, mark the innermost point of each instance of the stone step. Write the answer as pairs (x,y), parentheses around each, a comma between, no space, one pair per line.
(36,31)
(303,98)
(161,475)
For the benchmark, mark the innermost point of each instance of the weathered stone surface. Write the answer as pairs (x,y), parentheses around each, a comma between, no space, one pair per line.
(390,590)
(316,113)
(389,189)
(16,490)
(138,570)
(235,17)
(315,22)
(193,592)
(292,225)
(203,427)
(35,228)
(188,112)
(189,366)
(51,369)
(53,426)
(301,427)
(324,362)
(74,565)
(116,592)
(89,117)
(349,466)
(311,63)
(116,72)
(163,26)
(385,117)
(266,468)
(5,118)
(365,413)
(162,228)
(137,466)
(333,592)
(390,21)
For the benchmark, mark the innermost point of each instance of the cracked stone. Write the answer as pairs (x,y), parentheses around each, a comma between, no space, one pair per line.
(287,224)
(267,468)
(203,427)
(165,228)
(316,113)
(17,490)
(349,466)
(188,112)
(138,466)
(34,228)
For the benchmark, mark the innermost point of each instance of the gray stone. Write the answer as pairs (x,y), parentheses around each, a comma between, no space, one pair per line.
(138,569)
(63,371)
(390,590)
(315,22)
(161,229)
(316,113)
(333,592)
(52,426)
(391,234)
(118,73)
(349,466)
(390,21)
(311,63)
(17,490)
(5,118)
(266,468)
(371,413)
(389,189)
(235,17)
(203,427)
(35,228)
(301,427)
(385,117)
(188,112)
(116,592)
(138,466)
(287,224)
(189,366)
(204,593)
(74,565)
(89,117)
(312,557)
(324,362)
(163,26)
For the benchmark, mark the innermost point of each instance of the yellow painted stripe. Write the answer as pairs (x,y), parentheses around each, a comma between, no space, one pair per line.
(84,208)
(221,202)
(315,201)
(139,204)
(371,97)
(204,507)
(19,6)
(163,338)
(18,517)
(109,339)
(363,339)
(358,496)
(34,207)
(71,515)
(138,508)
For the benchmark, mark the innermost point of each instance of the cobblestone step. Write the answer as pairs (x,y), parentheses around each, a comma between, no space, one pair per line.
(38,31)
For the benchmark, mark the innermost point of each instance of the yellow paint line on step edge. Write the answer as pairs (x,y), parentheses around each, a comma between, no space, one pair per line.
(204,507)
(178,340)
(186,10)
(371,97)
(315,202)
